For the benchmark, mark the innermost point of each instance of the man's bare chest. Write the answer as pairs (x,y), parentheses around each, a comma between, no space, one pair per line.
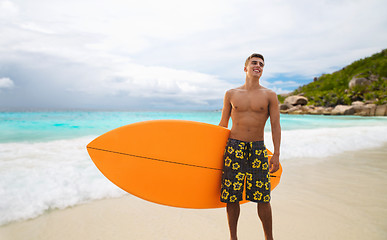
(249,102)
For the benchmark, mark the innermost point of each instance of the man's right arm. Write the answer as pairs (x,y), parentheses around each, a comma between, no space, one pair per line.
(226,111)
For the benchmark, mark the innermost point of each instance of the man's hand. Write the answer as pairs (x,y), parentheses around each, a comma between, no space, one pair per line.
(274,163)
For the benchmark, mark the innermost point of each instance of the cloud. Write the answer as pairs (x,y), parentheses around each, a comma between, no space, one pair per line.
(8,10)
(155,82)
(35,28)
(6,83)
(176,53)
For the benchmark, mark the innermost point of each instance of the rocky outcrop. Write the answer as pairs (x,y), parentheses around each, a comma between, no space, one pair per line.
(357,108)
(285,106)
(363,81)
(296,100)
(358,82)
(343,110)
(362,109)
(381,110)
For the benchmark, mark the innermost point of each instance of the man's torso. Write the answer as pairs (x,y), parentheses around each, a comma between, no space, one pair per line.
(249,113)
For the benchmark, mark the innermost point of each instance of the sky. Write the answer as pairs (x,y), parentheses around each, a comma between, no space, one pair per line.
(173,54)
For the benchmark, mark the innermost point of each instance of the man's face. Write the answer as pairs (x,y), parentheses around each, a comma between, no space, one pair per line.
(255,67)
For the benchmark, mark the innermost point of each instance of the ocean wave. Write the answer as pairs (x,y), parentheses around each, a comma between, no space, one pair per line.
(36,177)
(324,142)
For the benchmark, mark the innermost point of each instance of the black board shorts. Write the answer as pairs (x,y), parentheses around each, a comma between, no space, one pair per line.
(246,166)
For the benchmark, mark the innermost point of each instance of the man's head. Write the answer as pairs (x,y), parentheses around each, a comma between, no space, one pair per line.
(254,65)
(257,55)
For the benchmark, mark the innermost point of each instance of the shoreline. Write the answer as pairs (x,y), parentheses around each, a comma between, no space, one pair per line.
(339,197)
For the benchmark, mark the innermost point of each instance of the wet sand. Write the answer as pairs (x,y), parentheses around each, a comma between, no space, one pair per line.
(343,197)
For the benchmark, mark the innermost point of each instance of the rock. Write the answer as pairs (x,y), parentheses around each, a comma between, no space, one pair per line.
(295,110)
(372,108)
(370,101)
(381,110)
(327,111)
(360,108)
(296,100)
(358,103)
(357,108)
(343,110)
(373,77)
(284,106)
(358,82)
(363,111)
(317,111)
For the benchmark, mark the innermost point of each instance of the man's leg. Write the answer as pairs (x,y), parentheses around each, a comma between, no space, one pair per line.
(233,210)
(264,213)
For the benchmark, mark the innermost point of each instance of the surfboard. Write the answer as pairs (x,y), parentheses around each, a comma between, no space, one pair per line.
(171,162)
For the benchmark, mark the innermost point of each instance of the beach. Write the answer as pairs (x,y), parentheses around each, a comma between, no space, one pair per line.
(336,197)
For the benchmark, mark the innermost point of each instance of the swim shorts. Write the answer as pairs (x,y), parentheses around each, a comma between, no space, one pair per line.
(246,167)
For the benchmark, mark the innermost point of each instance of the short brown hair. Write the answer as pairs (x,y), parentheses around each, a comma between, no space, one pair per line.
(257,55)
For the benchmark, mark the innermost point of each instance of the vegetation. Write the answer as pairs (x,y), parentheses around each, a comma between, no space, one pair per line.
(332,89)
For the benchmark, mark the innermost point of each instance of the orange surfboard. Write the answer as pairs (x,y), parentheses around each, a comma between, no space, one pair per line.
(171,162)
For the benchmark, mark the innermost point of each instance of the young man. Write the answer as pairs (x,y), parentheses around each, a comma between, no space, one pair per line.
(245,160)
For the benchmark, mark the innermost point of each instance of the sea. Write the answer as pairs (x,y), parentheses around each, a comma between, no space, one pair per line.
(44,164)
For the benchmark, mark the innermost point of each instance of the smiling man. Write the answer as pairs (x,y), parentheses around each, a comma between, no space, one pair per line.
(246,163)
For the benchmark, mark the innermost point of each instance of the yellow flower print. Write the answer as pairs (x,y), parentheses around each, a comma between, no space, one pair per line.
(249,185)
(227,162)
(225,194)
(236,166)
(258,152)
(266,198)
(233,198)
(267,185)
(257,195)
(256,163)
(259,184)
(265,153)
(241,145)
(265,166)
(239,154)
(240,176)
(237,186)
(249,176)
(230,150)
(227,183)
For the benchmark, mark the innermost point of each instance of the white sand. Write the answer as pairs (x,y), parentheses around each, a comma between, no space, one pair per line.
(344,197)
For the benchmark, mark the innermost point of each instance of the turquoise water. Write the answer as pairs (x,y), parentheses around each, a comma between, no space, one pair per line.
(47,126)
(44,164)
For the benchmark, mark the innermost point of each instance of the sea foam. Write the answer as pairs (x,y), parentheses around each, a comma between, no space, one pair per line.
(40,176)
(324,142)
(36,177)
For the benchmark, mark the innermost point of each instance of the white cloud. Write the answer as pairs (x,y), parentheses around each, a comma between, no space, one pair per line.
(181,50)
(35,28)
(8,10)
(6,83)
(155,82)
(280,90)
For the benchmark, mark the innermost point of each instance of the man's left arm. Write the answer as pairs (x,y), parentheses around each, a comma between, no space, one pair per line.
(275,130)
